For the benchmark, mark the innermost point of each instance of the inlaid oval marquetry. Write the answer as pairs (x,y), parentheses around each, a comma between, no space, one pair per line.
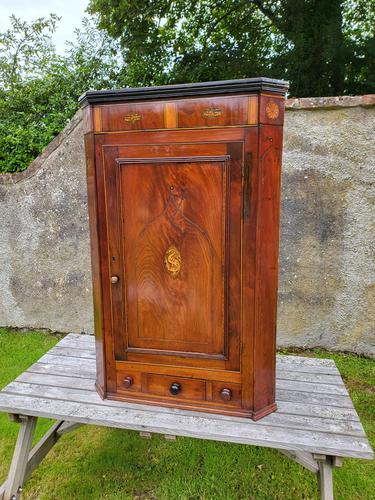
(212,112)
(173,261)
(272,110)
(132,117)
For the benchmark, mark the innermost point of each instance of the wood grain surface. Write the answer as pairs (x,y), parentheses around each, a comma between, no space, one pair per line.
(61,386)
(184,199)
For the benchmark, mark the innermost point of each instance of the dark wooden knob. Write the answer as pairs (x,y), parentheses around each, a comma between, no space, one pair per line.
(175,388)
(226,394)
(128,382)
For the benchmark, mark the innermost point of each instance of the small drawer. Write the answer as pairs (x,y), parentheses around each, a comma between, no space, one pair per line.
(212,112)
(129,381)
(119,117)
(174,387)
(226,393)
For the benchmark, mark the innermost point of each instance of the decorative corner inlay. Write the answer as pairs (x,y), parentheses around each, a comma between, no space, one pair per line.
(212,112)
(132,117)
(173,261)
(272,110)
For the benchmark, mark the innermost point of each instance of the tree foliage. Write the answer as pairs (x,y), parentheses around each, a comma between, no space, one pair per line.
(25,50)
(323,47)
(39,89)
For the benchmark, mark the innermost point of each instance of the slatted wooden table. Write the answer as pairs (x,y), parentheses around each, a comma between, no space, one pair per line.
(315,424)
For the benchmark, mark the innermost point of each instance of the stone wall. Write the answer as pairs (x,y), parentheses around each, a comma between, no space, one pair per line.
(327,268)
(45,277)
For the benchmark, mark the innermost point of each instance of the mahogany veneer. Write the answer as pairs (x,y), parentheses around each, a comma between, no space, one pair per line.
(183,189)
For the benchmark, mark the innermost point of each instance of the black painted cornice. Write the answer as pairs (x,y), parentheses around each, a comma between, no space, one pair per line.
(245,86)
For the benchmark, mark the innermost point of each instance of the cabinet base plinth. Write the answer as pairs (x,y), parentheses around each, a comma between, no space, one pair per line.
(257,415)
(192,405)
(100,391)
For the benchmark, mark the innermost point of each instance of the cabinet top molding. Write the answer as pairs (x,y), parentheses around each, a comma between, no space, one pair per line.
(243,86)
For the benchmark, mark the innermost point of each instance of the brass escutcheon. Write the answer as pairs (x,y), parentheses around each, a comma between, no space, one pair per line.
(132,117)
(212,112)
(173,261)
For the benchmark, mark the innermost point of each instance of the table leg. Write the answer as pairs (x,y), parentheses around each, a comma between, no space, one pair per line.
(14,483)
(325,478)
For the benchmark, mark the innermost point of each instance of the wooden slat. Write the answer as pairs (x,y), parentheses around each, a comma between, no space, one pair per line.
(300,369)
(284,374)
(311,388)
(72,352)
(184,424)
(73,371)
(90,396)
(170,437)
(77,369)
(301,360)
(318,370)
(328,412)
(79,366)
(350,428)
(303,409)
(314,398)
(61,393)
(281,395)
(57,381)
(74,337)
(88,384)
(82,346)
(304,368)
(87,342)
(86,364)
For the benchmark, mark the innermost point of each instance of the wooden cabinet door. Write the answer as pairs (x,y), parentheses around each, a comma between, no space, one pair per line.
(174,240)
(174,235)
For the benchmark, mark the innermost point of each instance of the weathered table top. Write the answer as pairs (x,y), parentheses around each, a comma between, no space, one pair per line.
(315,412)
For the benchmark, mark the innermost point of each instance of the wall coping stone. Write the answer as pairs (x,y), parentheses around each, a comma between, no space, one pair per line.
(294,104)
(347,101)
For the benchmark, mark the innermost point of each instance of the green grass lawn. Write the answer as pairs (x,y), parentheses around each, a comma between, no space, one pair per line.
(94,462)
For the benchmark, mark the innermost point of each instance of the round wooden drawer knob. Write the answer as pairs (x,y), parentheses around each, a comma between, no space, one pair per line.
(114,280)
(128,382)
(175,389)
(226,394)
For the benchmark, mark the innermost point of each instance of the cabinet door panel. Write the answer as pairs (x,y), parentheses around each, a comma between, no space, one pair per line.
(173,216)
(174,232)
